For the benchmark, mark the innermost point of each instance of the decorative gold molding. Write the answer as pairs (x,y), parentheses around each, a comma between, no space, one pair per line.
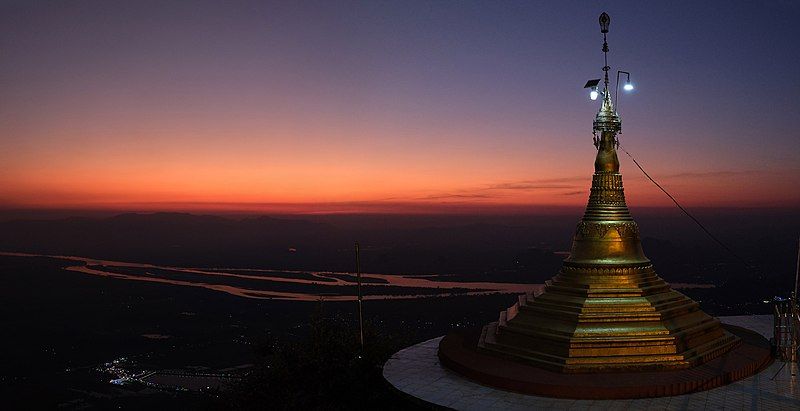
(589,229)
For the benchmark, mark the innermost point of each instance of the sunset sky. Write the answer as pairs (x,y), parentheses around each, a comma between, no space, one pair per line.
(337,106)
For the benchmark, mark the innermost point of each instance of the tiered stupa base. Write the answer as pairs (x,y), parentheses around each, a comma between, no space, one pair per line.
(601,319)
(459,351)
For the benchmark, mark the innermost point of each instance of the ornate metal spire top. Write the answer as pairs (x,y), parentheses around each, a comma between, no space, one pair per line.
(605,20)
(607,118)
(607,122)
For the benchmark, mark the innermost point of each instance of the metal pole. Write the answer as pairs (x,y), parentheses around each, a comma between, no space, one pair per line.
(797,270)
(616,93)
(360,314)
(793,312)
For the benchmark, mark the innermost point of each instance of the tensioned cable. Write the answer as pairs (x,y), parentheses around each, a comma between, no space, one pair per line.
(699,224)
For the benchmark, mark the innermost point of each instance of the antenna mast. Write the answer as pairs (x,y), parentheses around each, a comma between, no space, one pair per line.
(360,315)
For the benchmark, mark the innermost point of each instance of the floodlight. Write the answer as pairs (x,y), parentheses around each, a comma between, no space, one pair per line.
(593,85)
(628,86)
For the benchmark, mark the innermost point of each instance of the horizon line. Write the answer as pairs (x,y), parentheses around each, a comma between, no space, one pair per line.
(350,208)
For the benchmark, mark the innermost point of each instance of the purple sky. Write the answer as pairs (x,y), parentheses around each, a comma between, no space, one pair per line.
(253,102)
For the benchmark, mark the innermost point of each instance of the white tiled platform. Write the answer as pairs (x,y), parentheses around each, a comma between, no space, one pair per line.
(416,371)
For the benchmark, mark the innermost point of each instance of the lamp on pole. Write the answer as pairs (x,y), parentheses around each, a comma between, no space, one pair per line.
(627,87)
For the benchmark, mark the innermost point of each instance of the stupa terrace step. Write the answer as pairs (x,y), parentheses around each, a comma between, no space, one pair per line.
(502,320)
(599,290)
(589,306)
(565,332)
(606,292)
(607,282)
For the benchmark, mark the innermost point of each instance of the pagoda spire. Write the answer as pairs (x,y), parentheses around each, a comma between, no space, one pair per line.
(607,233)
(607,122)
(607,309)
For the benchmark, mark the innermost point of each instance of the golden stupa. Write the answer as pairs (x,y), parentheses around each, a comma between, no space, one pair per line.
(607,309)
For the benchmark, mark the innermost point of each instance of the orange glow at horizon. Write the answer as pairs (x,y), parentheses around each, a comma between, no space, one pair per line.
(384,107)
(328,180)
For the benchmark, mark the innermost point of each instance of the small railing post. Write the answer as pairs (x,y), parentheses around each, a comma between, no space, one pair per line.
(794,324)
(786,329)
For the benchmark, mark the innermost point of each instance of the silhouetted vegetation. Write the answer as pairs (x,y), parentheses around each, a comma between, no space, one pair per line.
(327,369)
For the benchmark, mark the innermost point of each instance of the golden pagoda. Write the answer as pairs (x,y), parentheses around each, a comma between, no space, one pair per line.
(607,309)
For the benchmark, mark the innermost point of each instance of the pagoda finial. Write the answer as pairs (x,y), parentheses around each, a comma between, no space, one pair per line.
(605,20)
(607,118)
(607,122)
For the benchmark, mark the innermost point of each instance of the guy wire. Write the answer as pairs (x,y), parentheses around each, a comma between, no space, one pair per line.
(699,224)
